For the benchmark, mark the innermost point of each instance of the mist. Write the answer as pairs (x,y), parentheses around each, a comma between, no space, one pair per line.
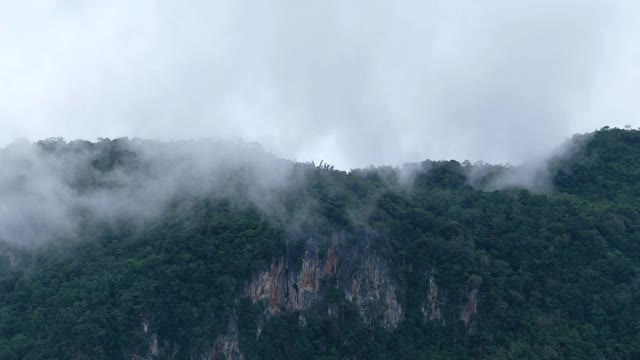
(49,188)
(351,83)
(356,83)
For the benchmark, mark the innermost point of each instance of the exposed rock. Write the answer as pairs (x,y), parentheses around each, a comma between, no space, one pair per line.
(286,290)
(138,357)
(227,347)
(307,284)
(368,285)
(331,263)
(153,345)
(470,307)
(372,290)
(433,310)
(302,320)
(269,286)
(332,310)
(153,350)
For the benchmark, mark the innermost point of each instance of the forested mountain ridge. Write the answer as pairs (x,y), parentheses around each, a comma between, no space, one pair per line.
(436,260)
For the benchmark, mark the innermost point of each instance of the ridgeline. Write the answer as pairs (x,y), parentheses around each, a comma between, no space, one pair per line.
(348,265)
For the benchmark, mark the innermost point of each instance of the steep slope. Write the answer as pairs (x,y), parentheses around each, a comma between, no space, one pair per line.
(606,164)
(342,265)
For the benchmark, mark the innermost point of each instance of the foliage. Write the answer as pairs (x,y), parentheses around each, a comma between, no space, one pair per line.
(557,274)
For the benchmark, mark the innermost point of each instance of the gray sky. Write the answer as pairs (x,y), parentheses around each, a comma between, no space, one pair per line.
(351,82)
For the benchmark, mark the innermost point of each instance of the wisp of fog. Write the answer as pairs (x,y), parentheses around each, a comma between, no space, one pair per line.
(46,188)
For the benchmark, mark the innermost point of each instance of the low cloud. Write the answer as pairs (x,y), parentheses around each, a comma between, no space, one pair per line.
(353,83)
(535,175)
(46,189)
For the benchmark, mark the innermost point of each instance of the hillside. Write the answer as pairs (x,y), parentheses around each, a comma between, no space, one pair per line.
(148,251)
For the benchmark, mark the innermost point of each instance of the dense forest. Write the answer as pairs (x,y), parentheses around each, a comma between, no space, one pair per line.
(283,260)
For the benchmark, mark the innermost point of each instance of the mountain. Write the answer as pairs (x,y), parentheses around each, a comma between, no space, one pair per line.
(134,249)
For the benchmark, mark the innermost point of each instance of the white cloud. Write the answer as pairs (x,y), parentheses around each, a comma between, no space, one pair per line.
(352,83)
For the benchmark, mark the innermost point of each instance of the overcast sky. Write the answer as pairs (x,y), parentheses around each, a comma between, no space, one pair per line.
(352,82)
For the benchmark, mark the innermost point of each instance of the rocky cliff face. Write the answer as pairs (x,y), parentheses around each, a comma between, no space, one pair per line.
(297,284)
(433,307)
(291,286)
(374,292)
(284,289)
(227,346)
(470,307)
